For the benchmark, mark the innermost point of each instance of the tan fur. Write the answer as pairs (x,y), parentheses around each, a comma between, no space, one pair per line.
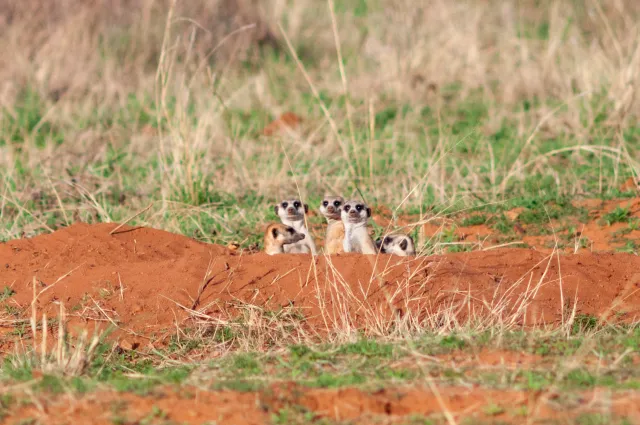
(330,208)
(335,238)
(284,235)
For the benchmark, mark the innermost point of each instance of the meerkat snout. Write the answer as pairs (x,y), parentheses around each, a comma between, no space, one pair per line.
(356,212)
(291,213)
(278,236)
(331,207)
(291,209)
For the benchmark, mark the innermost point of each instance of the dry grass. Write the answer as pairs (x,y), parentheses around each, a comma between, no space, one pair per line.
(138,100)
(60,354)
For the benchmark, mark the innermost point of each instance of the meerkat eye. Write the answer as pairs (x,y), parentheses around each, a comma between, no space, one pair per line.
(296,204)
(284,205)
(290,230)
(347,208)
(325,203)
(336,203)
(359,207)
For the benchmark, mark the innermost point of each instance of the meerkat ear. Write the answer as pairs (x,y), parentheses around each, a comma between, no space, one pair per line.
(403,245)
(276,209)
(368,212)
(274,232)
(306,208)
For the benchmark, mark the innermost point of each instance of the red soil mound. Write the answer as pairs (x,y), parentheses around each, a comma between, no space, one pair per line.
(139,278)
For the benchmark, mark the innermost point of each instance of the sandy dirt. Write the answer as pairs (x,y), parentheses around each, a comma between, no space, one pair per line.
(147,282)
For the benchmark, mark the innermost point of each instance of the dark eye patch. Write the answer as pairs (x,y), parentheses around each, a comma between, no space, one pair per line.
(284,205)
(388,240)
(296,204)
(290,230)
(325,203)
(347,208)
(336,203)
(359,207)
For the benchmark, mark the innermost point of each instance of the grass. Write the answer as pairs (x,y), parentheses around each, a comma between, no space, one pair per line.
(366,363)
(507,124)
(568,364)
(618,215)
(6,293)
(449,140)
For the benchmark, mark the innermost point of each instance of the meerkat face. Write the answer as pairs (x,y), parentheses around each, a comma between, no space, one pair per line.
(355,212)
(331,207)
(286,234)
(396,244)
(291,209)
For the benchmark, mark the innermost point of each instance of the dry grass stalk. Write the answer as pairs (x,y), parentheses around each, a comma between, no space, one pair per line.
(68,357)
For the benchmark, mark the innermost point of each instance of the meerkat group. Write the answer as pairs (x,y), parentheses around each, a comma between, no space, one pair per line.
(347,230)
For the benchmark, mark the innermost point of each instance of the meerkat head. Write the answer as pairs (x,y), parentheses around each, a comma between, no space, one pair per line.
(331,207)
(355,212)
(396,244)
(291,210)
(285,235)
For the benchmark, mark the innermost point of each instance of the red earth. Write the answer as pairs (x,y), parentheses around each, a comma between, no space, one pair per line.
(148,281)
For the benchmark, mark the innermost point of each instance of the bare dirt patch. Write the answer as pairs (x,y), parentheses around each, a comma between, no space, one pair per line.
(595,225)
(146,280)
(389,405)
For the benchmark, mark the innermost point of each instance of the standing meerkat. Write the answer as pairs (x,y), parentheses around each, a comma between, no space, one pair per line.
(278,236)
(291,213)
(396,244)
(330,208)
(356,237)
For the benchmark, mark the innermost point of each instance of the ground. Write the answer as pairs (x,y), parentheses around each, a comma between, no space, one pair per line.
(143,145)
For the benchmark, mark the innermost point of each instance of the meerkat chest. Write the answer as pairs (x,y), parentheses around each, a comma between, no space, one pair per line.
(335,231)
(358,240)
(334,240)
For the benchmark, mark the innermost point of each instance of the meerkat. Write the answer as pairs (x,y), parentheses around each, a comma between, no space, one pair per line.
(396,244)
(291,213)
(334,237)
(278,236)
(356,237)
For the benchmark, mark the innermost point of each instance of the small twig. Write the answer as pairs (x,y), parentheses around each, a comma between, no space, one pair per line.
(121,289)
(35,297)
(196,302)
(104,313)
(130,218)
(502,245)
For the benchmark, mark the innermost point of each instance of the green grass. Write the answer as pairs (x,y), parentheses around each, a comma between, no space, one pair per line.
(6,293)
(450,130)
(618,215)
(366,364)
(216,177)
